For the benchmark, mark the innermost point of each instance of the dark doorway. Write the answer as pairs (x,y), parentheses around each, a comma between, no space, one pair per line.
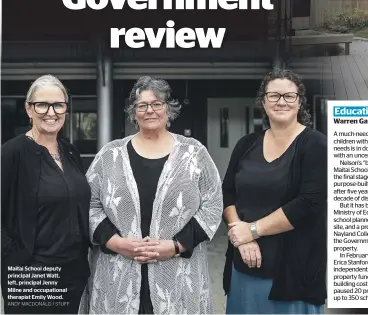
(301,8)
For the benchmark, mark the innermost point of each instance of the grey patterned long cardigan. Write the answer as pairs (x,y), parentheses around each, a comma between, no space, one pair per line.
(189,186)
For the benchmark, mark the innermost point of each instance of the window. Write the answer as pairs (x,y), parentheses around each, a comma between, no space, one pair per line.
(14,119)
(257,120)
(84,131)
(81,124)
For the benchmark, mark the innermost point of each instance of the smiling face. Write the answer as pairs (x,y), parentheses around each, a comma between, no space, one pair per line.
(281,110)
(150,112)
(47,122)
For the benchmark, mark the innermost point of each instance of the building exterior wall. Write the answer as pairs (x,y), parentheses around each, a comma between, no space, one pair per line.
(193,117)
(234,71)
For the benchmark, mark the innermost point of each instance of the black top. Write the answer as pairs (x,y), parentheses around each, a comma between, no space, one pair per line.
(21,161)
(61,195)
(256,177)
(146,174)
(301,257)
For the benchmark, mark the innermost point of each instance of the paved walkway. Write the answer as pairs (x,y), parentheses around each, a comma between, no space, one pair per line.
(359,47)
(216,256)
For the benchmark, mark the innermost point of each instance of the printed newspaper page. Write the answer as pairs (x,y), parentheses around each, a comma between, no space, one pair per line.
(347,204)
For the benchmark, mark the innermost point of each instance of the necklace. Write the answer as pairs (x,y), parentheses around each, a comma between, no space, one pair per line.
(55,156)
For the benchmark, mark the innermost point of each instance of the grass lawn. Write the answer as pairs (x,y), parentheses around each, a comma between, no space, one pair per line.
(362,33)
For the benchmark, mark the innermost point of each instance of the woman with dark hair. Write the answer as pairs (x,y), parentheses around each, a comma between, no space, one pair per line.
(275,193)
(156,200)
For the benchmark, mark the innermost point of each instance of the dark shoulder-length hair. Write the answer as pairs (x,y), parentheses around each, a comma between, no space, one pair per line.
(303,115)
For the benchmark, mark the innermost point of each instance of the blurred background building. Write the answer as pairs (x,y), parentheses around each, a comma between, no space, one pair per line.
(216,86)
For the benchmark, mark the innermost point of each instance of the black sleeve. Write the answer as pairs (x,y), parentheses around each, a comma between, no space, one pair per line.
(228,184)
(9,174)
(312,196)
(104,231)
(190,236)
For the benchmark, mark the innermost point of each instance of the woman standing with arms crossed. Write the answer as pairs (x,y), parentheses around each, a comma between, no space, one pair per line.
(44,206)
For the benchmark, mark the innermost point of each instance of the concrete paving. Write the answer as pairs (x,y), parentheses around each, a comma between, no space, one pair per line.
(359,47)
(216,256)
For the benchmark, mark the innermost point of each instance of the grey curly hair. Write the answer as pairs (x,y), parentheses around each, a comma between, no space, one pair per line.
(161,89)
(304,116)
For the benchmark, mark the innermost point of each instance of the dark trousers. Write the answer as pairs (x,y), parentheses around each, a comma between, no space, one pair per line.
(71,282)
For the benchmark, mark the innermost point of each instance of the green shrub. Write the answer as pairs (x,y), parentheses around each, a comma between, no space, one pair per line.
(347,20)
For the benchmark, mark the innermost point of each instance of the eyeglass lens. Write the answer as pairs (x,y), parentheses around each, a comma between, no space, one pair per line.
(44,107)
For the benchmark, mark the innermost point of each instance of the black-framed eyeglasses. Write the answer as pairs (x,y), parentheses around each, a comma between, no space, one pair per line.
(142,107)
(289,97)
(43,107)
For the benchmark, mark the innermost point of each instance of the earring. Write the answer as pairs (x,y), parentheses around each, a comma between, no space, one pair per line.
(30,121)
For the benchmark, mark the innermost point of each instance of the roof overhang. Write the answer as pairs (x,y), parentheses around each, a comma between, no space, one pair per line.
(133,70)
(309,69)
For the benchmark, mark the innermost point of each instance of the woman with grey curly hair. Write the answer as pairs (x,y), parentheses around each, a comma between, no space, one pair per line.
(156,200)
(276,257)
(162,92)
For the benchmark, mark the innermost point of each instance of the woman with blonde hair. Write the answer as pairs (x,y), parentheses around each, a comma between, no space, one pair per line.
(44,210)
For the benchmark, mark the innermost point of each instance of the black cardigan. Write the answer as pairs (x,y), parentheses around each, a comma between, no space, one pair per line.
(20,174)
(302,257)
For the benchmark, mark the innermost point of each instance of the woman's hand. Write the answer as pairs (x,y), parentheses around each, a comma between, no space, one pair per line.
(230,225)
(251,254)
(146,251)
(165,250)
(127,247)
(239,233)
